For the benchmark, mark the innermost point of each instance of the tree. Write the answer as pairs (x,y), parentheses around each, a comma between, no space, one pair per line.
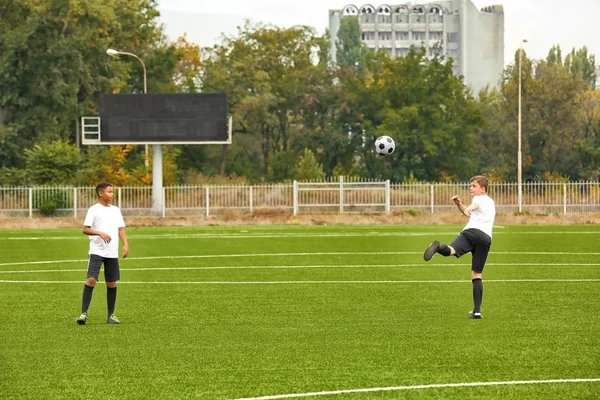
(269,78)
(53,163)
(308,168)
(350,48)
(54,65)
(582,66)
(428,111)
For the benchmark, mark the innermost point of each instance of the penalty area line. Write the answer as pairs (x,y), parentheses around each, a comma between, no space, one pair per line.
(416,387)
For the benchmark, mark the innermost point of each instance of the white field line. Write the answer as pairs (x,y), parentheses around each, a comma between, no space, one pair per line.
(322,266)
(417,387)
(315,282)
(243,236)
(333,253)
(262,235)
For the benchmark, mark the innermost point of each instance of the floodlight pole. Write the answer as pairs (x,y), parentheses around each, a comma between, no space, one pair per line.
(520,151)
(157,165)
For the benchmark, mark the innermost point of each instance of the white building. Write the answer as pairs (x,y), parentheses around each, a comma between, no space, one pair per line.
(473,38)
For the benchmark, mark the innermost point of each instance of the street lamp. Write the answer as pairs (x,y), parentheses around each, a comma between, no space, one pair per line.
(520,151)
(157,171)
(112,53)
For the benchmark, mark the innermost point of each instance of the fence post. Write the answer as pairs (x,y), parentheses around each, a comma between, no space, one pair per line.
(295,198)
(251,200)
(341,194)
(74,202)
(164,205)
(387,196)
(208,201)
(565,198)
(30,203)
(119,199)
(432,190)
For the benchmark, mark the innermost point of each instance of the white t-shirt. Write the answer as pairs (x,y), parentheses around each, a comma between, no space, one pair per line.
(483,217)
(108,220)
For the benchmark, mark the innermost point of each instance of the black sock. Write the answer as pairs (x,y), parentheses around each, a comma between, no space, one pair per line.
(444,250)
(87,298)
(111,299)
(477,294)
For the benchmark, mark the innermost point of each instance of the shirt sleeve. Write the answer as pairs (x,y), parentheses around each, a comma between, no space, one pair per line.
(90,217)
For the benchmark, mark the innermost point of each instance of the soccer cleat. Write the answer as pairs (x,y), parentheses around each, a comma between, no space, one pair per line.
(82,319)
(431,250)
(474,315)
(112,319)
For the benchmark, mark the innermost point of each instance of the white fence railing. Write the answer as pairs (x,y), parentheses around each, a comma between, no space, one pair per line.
(300,197)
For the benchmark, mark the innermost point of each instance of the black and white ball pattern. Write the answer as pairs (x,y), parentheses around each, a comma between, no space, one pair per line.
(385,145)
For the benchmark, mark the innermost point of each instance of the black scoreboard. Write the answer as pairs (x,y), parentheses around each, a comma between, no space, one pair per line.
(163,118)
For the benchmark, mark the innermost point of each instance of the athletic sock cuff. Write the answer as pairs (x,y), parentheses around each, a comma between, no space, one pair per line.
(444,250)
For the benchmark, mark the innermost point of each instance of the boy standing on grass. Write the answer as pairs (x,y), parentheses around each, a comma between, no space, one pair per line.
(103,223)
(476,237)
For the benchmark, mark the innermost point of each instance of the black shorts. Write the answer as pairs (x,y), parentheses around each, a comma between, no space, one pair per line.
(473,241)
(111,268)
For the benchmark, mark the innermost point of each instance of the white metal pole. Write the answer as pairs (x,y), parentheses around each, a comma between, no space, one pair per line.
(387,196)
(520,150)
(30,203)
(251,200)
(565,198)
(341,194)
(432,196)
(295,199)
(74,202)
(164,196)
(207,201)
(157,177)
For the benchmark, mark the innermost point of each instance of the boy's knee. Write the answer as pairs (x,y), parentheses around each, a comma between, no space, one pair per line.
(111,284)
(91,282)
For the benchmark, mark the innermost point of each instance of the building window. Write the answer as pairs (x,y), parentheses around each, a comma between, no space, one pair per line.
(367,18)
(402,52)
(385,35)
(453,37)
(436,36)
(418,35)
(402,18)
(384,19)
(368,36)
(350,10)
(401,35)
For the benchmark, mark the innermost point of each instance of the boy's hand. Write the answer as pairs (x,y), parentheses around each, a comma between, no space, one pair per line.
(456,199)
(104,237)
(125,251)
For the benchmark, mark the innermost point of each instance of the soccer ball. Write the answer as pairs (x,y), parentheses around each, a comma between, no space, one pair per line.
(384,145)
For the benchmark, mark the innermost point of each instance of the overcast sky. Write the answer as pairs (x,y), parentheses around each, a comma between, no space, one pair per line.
(575,23)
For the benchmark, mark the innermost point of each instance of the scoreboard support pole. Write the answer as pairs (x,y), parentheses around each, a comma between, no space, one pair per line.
(157,179)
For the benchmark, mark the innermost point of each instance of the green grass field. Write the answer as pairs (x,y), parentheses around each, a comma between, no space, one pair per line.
(239,312)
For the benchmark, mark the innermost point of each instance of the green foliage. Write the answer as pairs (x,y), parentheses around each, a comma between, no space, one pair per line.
(351,50)
(560,120)
(53,163)
(308,168)
(13,177)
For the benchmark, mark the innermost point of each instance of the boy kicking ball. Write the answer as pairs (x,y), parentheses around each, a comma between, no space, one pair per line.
(104,225)
(476,237)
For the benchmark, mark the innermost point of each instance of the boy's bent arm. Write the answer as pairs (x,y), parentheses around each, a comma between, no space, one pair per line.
(87,230)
